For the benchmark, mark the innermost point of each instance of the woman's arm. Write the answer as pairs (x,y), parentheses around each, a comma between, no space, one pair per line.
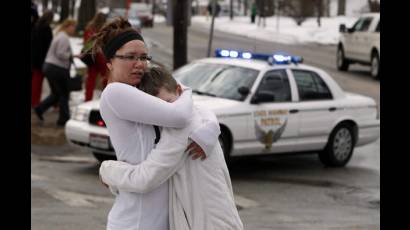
(206,135)
(132,104)
(161,164)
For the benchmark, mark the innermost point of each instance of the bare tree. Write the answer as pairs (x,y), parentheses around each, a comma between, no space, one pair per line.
(65,5)
(45,4)
(55,5)
(86,13)
(261,6)
(374,5)
(72,8)
(319,9)
(245,8)
(327,8)
(341,7)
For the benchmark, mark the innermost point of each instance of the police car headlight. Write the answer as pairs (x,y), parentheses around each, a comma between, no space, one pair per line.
(80,114)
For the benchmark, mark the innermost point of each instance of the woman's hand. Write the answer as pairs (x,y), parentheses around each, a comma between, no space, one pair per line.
(195,151)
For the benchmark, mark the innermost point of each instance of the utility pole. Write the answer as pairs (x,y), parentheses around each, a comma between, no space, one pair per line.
(231,9)
(211,33)
(278,5)
(245,11)
(180,17)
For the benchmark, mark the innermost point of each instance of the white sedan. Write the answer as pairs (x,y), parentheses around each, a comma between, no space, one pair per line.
(265,104)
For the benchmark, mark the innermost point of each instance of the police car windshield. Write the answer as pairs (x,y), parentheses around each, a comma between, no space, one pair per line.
(216,79)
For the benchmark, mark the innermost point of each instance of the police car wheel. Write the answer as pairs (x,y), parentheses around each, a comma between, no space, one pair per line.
(103,157)
(339,148)
(375,66)
(342,62)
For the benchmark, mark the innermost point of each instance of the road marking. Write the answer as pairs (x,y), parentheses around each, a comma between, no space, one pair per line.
(243,202)
(71,159)
(75,199)
(35,177)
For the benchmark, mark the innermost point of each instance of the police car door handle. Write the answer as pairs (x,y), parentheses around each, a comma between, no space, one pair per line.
(293,111)
(332,109)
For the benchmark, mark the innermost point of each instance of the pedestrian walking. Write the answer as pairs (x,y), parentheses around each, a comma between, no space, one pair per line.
(57,71)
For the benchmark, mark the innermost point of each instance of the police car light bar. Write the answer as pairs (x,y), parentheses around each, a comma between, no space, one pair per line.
(276,58)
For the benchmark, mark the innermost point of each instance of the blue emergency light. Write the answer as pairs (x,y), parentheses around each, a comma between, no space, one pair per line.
(276,58)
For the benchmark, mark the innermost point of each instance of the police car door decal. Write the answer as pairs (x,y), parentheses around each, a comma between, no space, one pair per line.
(269,126)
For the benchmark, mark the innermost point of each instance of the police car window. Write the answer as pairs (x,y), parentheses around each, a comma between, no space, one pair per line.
(276,82)
(226,82)
(311,86)
(196,74)
(378,27)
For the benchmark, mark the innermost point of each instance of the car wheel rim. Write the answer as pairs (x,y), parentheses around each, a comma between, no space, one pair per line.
(339,58)
(342,144)
(375,66)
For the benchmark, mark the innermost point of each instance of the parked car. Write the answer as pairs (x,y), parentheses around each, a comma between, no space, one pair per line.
(360,44)
(144,12)
(132,17)
(265,104)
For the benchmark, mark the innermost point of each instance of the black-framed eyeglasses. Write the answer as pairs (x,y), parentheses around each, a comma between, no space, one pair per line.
(143,58)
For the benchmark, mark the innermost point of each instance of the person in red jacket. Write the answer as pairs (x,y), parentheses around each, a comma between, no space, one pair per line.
(41,37)
(99,65)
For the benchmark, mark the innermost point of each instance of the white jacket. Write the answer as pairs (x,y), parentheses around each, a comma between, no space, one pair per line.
(200,192)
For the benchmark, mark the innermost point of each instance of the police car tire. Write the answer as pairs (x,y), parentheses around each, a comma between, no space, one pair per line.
(341,61)
(328,155)
(375,73)
(103,157)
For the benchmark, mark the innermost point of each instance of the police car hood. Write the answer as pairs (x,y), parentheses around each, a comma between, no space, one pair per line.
(215,104)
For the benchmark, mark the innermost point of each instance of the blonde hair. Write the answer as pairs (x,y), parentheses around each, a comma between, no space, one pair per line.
(66,23)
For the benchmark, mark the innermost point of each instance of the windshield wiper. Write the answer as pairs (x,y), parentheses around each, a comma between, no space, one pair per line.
(203,93)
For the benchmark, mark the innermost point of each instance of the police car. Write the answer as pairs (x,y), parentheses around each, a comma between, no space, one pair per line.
(265,104)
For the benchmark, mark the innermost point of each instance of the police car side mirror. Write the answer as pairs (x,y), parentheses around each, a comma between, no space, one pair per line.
(263,96)
(342,28)
(244,91)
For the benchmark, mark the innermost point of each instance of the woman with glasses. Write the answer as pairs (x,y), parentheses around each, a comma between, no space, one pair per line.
(56,68)
(130,114)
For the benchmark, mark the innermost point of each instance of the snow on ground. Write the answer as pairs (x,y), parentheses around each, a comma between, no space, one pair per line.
(159,18)
(287,32)
(76,46)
